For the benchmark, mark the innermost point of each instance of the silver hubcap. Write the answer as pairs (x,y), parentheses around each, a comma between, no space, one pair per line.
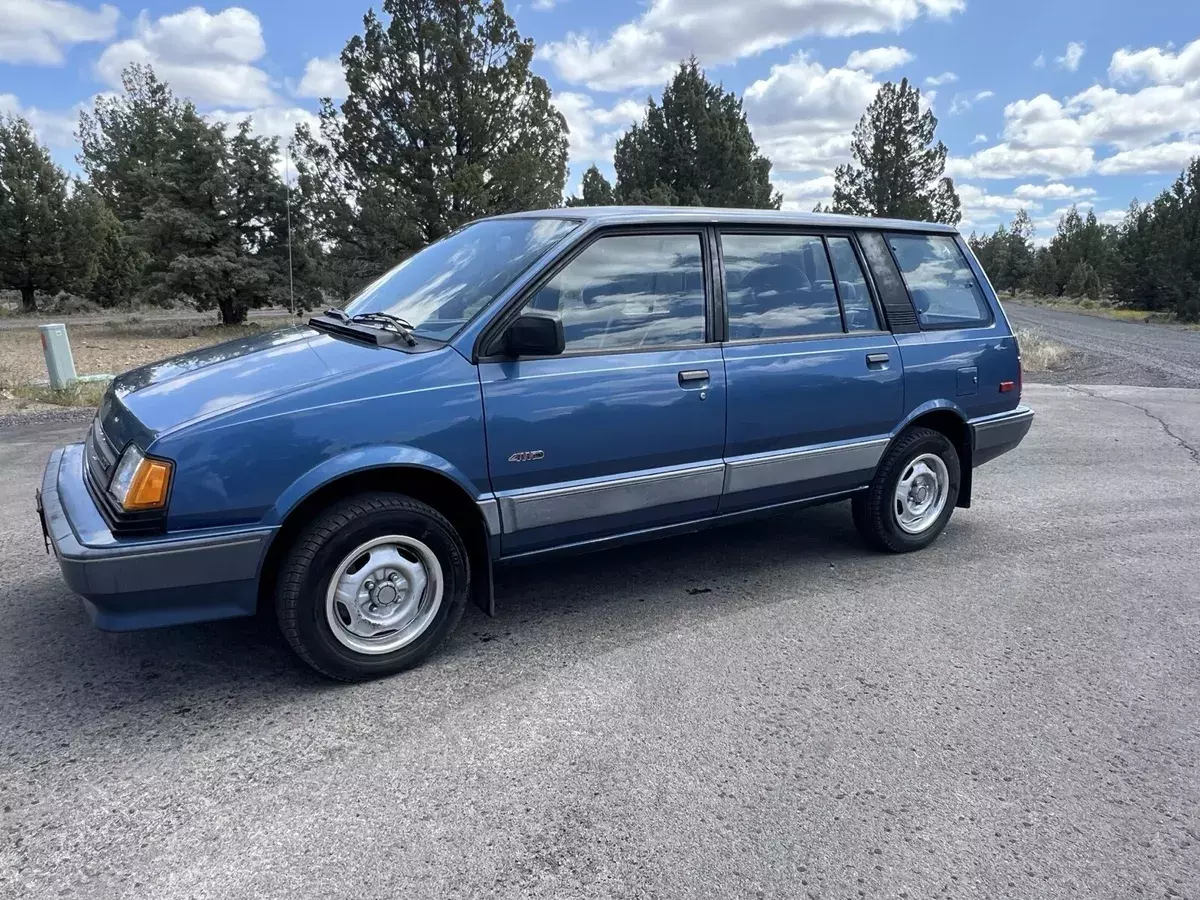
(921,493)
(384,594)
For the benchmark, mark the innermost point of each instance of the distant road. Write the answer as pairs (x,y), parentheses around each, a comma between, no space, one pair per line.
(1113,352)
(14,323)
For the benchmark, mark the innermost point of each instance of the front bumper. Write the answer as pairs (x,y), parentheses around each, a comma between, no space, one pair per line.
(996,435)
(133,583)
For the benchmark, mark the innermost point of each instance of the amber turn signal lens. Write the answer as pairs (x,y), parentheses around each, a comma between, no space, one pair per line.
(150,485)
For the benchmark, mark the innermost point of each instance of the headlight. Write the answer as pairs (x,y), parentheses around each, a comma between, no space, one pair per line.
(140,484)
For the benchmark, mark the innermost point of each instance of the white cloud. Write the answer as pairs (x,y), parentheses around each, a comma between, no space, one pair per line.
(980,139)
(1151,129)
(1167,158)
(39,31)
(1070,59)
(1053,191)
(801,195)
(55,129)
(962,102)
(1008,161)
(1101,115)
(1040,62)
(647,50)
(978,205)
(880,59)
(278,122)
(543,5)
(323,77)
(1156,65)
(944,78)
(802,114)
(272,121)
(208,58)
(594,130)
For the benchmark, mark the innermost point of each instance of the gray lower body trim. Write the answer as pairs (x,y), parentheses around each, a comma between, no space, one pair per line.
(766,470)
(490,510)
(536,509)
(996,435)
(572,503)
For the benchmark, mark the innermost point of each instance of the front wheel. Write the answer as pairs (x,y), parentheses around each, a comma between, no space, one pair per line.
(372,587)
(913,494)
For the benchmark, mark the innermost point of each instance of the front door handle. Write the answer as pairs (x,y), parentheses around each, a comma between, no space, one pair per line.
(877,359)
(690,376)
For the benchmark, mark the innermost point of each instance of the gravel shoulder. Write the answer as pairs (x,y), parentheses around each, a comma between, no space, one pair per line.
(761,711)
(1107,351)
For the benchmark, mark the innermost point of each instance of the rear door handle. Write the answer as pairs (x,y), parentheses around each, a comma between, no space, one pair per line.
(690,376)
(877,359)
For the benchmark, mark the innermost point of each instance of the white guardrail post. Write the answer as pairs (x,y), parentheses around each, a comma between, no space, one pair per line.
(60,364)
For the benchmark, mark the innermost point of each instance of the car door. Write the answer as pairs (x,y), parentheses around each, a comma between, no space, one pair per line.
(815,384)
(624,430)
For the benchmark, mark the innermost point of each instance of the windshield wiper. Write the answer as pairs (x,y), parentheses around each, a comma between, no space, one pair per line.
(399,325)
(392,323)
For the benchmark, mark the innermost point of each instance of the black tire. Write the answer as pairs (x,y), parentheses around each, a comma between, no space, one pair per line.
(874,509)
(317,552)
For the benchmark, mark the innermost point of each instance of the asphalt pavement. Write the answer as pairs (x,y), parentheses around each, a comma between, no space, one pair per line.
(762,711)
(1108,351)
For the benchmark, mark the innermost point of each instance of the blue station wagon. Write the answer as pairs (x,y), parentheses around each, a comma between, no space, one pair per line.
(531,384)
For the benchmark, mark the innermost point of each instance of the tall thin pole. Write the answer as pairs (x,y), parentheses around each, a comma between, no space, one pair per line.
(287,178)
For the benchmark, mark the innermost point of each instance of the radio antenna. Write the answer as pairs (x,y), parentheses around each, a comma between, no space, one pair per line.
(287,180)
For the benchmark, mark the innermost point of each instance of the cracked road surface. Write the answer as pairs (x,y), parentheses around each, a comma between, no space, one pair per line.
(1113,352)
(760,711)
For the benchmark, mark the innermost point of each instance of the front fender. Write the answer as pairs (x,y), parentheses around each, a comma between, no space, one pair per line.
(361,460)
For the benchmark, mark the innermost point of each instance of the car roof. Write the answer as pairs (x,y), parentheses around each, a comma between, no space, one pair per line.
(692,215)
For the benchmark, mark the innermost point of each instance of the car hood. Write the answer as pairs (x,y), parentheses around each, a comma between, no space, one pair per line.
(165,395)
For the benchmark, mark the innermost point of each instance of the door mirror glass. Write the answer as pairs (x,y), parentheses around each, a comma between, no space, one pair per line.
(535,334)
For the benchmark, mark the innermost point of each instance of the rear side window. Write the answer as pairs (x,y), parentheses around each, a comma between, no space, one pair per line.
(856,298)
(942,285)
(778,285)
(629,293)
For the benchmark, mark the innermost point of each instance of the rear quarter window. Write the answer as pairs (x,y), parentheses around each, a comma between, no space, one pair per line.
(942,285)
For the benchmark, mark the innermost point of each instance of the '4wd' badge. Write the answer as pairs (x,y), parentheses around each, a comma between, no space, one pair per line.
(527,456)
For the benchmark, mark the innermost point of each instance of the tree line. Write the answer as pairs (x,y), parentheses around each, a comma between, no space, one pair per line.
(1150,261)
(443,122)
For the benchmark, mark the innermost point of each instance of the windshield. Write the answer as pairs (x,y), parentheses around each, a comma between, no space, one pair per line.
(438,289)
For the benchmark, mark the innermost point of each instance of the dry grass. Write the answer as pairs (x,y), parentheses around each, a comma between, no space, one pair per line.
(109,349)
(1103,309)
(1039,353)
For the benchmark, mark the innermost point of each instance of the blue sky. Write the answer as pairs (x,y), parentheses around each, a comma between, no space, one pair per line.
(1041,102)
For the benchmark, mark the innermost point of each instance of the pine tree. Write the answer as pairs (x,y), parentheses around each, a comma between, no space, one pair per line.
(898,171)
(1019,258)
(693,149)
(1084,282)
(33,198)
(103,265)
(1044,279)
(444,122)
(595,191)
(127,141)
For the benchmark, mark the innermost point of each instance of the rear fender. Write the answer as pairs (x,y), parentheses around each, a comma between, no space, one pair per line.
(965,449)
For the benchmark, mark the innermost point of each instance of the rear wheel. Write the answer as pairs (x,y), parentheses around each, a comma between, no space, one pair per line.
(372,587)
(913,494)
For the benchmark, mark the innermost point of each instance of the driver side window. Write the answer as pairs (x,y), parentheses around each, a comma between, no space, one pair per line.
(629,292)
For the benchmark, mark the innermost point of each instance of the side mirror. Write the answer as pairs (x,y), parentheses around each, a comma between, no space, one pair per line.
(535,334)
